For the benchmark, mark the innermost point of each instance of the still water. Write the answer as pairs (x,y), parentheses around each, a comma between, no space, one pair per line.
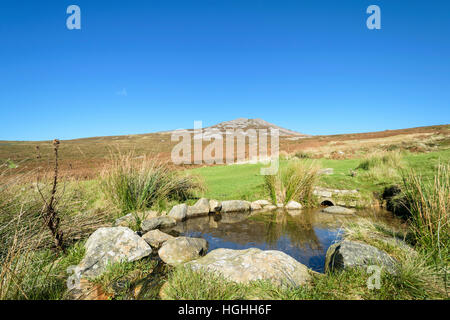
(304,235)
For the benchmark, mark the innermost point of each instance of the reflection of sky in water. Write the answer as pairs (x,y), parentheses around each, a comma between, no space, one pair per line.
(305,237)
(311,254)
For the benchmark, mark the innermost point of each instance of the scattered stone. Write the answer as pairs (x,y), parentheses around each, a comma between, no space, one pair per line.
(200,208)
(158,222)
(280,205)
(338,210)
(270,207)
(125,221)
(293,205)
(156,238)
(255,206)
(182,249)
(235,205)
(130,219)
(350,254)
(252,264)
(214,206)
(179,212)
(263,202)
(326,171)
(111,245)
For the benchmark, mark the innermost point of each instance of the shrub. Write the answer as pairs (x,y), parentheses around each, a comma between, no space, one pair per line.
(134,184)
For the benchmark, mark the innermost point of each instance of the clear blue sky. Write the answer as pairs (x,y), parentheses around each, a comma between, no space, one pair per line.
(145,66)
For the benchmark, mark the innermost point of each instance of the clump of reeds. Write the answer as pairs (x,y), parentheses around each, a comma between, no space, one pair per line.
(295,182)
(135,184)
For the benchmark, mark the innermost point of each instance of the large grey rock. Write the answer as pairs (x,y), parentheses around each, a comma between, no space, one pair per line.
(252,264)
(293,205)
(158,222)
(214,206)
(200,208)
(338,210)
(182,249)
(350,254)
(156,238)
(110,245)
(235,206)
(179,212)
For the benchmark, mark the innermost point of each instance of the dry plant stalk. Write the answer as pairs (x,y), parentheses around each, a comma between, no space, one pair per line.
(49,212)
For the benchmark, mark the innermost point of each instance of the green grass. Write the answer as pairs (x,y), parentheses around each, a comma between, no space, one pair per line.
(185,284)
(245,182)
(233,182)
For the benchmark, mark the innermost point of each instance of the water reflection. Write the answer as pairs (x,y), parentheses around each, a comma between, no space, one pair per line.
(304,235)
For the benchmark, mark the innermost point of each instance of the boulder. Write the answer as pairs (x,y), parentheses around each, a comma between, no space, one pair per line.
(270,207)
(110,245)
(293,205)
(262,202)
(214,206)
(158,222)
(252,264)
(338,210)
(255,206)
(182,249)
(350,254)
(200,208)
(156,238)
(235,206)
(179,212)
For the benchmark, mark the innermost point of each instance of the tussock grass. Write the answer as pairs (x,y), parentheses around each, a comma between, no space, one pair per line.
(295,181)
(136,184)
(382,165)
(428,202)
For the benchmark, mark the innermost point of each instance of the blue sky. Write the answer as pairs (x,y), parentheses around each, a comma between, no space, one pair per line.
(146,66)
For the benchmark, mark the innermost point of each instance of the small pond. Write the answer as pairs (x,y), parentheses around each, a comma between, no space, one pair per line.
(304,235)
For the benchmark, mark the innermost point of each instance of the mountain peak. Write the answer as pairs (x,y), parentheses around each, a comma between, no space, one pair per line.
(258,123)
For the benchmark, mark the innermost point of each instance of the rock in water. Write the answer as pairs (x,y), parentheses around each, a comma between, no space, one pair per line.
(158,222)
(293,205)
(182,249)
(179,212)
(214,206)
(338,210)
(262,202)
(350,254)
(235,206)
(255,206)
(200,208)
(110,245)
(243,266)
(156,238)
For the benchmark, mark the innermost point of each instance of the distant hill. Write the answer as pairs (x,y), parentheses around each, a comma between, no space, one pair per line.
(83,158)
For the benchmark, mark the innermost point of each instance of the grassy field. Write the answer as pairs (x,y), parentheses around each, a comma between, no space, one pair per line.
(245,182)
